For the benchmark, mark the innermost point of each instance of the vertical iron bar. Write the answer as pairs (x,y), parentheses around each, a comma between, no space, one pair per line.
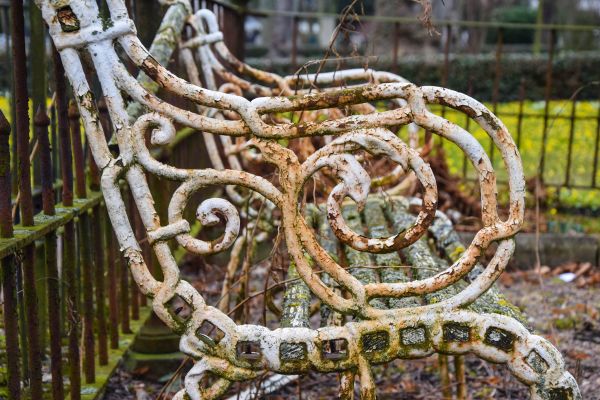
(26,199)
(39,83)
(112,260)
(87,270)
(80,189)
(135,298)
(33,328)
(446,65)
(72,303)
(396,47)
(22,321)
(54,145)
(294,52)
(98,238)
(64,140)
(547,95)
(41,123)
(124,294)
(9,289)
(6,227)
(570,144)
(496,88)
(54,325)
(19,68)
(124,290)
(520,115)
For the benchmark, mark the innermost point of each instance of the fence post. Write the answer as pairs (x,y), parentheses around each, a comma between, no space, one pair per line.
(50,244)
(25,197)
(9,284)
(294,52)
(547,95)
(98,239)
(496,88)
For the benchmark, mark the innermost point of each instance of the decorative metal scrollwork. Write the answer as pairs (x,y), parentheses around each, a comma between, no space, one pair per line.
(410,331)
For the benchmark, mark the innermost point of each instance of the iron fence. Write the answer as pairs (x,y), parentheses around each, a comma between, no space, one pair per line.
(69,307)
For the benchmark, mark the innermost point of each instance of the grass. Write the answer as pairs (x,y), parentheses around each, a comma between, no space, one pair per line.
(582,158)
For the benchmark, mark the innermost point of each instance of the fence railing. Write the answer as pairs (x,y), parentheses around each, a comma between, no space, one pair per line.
(69,307)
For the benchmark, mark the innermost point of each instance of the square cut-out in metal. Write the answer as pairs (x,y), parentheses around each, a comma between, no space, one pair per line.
(455,332)
(209,333)
(375,341)
(413,336)
(179,309)
(560,394)
(249,351)
(500,339)
(289,351)
(335,349)
(537,362)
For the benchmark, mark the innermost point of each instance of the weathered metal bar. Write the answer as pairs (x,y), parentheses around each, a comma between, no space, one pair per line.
(100,265)
(124,288)
(6,226)
(7,263)
(64,140)
(520,112)
(570,143)
(87,272)
(22,313)
(395,49)
(72,303)
(19,70)
(547,97)
(51,267)
(134,300)
(75,128)
(37,53)
(54,140)
(33,326)
(41,122)
(294,51)
(54,316)
(39,83)
(113,285)
(34,354)
(496,86)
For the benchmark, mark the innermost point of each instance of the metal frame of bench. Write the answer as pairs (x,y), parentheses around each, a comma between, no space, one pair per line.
(446,326)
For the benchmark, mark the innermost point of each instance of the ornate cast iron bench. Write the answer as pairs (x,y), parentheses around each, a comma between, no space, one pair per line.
(387,324)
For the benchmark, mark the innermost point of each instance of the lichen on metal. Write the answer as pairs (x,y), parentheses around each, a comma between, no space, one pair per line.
(376,334)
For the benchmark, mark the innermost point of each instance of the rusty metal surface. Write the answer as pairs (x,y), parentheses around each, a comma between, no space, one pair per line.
(445,326)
